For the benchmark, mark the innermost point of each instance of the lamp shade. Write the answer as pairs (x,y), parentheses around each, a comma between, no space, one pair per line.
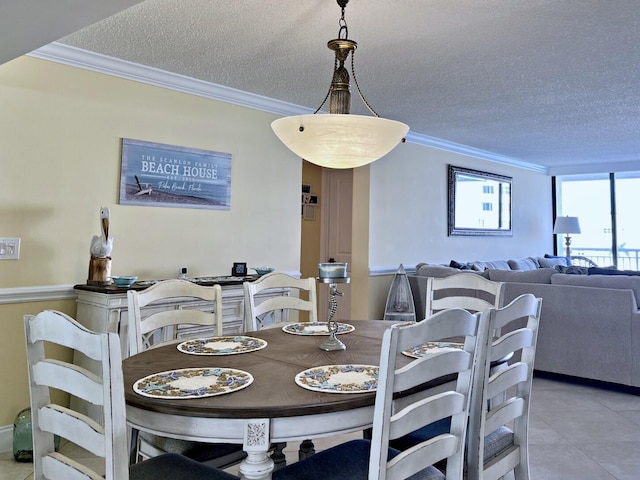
(339,140)
(566,225)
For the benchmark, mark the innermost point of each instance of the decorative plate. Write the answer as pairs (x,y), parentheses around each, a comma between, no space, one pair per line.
(340,378)
(222,345)
(193,383)
(316,328)
(431,347)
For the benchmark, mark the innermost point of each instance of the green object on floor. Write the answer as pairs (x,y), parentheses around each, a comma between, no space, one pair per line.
(23,437)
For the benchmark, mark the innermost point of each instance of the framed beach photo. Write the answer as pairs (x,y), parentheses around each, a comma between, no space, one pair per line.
(159,175)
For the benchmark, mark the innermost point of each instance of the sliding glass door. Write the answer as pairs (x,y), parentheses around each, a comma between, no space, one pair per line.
(607,208)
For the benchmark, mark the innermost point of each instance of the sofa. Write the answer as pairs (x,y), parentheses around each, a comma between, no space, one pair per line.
(590,322)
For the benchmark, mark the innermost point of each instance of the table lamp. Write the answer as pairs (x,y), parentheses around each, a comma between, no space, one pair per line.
(567,225)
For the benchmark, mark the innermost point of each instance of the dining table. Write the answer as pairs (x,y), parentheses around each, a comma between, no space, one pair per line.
(266,403)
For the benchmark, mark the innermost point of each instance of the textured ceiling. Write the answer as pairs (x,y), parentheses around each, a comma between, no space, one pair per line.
(554,83)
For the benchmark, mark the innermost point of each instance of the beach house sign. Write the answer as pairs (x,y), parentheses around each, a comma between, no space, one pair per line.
(159,175)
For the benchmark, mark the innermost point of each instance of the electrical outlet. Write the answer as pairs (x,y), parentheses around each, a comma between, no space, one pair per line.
(9,248)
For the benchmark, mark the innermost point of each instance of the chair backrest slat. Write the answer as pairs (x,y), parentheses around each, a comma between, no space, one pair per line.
(74,426)
(76,380)
(59,466)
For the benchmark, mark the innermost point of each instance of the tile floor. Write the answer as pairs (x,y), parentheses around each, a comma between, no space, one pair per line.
(577,432)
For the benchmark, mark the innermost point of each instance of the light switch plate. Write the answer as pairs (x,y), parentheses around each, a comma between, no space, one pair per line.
(9,248)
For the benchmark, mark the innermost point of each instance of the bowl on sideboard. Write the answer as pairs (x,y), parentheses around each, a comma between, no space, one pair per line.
(123,280)
(263,270)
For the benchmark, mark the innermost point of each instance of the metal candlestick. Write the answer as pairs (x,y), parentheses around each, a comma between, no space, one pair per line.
(332,343)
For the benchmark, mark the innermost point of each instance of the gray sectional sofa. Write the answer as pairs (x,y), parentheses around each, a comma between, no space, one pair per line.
(590,324)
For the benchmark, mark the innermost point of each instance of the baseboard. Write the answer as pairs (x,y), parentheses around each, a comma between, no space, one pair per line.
(6,438)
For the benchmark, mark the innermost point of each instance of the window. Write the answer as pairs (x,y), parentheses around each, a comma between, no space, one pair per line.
(487,207)
(606,205)
(487,189)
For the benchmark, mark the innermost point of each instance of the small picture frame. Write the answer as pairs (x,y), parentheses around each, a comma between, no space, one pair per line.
(239,269)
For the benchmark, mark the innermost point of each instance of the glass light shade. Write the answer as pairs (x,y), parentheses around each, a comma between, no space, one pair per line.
(566,225)
(339,140)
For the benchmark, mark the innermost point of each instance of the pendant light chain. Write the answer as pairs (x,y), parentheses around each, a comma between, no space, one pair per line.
(355,80)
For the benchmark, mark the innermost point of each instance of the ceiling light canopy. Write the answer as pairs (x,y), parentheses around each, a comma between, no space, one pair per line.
(339,139)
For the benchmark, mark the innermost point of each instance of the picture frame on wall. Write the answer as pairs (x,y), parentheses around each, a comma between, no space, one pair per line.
(479,202)
(159,175)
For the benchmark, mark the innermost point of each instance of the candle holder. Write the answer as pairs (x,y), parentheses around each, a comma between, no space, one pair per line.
(332,343)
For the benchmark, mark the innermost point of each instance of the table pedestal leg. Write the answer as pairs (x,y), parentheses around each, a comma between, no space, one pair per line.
(257,465)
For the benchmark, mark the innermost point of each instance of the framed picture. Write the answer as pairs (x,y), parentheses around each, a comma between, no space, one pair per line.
(159,175)
(308,212)
(239,269)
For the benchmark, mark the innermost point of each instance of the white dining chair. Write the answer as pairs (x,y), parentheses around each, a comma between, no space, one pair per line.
(149,328)
(498,431)
(373,460)
(259,313)
(470,291)
(107,440)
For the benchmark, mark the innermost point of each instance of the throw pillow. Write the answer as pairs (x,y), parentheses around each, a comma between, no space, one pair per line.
(524,264)
(459,266)
(481,266)
(552,261)
(572,269)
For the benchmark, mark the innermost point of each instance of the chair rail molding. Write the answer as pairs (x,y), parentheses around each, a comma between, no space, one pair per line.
(36,294)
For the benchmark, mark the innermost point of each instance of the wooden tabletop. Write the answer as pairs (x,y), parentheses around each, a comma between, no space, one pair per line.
(273,393)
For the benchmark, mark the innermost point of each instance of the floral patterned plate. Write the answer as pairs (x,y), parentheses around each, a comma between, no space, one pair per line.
(316,328)
(222,345)
(192,383)
(340,378)
(431,347)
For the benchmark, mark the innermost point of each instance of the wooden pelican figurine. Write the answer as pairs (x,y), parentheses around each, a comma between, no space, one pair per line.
(101,245)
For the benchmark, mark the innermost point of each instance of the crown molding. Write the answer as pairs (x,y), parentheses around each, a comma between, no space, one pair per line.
(96,62)
(79,58)
(630,166)
(447,146)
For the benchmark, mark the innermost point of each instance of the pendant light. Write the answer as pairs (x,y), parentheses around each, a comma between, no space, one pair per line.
(339,139)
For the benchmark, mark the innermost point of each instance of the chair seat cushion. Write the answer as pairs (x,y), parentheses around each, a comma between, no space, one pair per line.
(496,442)
(175,467)
(348,460)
